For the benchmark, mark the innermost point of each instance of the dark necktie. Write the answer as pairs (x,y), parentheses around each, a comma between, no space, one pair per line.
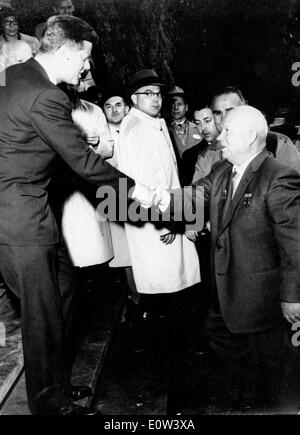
(228,193)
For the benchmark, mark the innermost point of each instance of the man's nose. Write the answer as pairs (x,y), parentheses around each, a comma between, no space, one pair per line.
(221,120)
(200,129)
(87,65)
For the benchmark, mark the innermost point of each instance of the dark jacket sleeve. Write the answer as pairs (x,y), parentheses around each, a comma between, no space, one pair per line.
(191,203)
(283,203)
(51,118)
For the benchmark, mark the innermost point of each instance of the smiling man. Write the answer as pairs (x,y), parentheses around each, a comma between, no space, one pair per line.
(35,128)
(252,202)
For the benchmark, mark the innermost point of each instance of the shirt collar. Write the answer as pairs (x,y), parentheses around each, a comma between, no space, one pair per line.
(157,122)
(113,128)
(240,169)
(180,123)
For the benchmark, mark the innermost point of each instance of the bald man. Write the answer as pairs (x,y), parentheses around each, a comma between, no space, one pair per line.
(253,203)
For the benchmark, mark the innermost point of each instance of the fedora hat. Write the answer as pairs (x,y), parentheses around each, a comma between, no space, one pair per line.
(143,78)
(113,92)
(176,90)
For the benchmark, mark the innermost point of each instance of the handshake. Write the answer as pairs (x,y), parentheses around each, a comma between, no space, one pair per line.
(151,196)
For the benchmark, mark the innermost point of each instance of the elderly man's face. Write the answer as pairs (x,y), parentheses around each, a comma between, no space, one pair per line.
(10,26)
(115,110)
(148,99)
(222,105)
(234,139)
(205,123)
(179,108)
(65,7)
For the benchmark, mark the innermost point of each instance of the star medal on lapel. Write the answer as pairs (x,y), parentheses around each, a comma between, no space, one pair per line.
(224,195)
(247,199)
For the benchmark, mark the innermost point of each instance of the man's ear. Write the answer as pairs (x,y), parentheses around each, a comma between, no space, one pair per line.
(134,99)
(62,53)
(55,10)
(252,135)
(126,109)
(186,107)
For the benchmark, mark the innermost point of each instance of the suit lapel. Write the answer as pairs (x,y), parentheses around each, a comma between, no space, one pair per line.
(248,176)
(192,134)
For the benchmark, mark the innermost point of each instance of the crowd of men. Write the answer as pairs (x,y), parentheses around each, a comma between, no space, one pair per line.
(245,181)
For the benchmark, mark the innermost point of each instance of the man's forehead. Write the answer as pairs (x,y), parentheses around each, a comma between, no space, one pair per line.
(87,47)
(235,119)
(179,99)
(227,101)
(152,88)
(203,113)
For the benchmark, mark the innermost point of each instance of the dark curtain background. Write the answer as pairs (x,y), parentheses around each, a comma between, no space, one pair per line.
(197,44)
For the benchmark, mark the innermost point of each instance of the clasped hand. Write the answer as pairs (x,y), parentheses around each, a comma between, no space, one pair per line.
(291,311)
(151,196)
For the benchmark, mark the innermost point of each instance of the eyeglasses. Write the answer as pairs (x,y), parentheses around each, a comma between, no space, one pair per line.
(10,23)
(149,94)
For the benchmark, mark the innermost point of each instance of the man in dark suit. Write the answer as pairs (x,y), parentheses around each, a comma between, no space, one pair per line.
(35,128)
(253,204)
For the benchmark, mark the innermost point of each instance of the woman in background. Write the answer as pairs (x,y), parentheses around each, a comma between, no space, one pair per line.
(10,31)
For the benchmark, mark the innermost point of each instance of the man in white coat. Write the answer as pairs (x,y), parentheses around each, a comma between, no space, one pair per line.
(165,264)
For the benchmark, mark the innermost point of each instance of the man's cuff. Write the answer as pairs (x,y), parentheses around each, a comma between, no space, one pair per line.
(164,201)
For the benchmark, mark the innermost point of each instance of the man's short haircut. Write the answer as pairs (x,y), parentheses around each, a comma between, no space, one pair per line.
(198,107)
(63,29)
(114,92)
(229,90)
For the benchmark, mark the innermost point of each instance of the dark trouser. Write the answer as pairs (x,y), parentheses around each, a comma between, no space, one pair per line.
(32,274)
(177,310)
(69,283)
(253,363)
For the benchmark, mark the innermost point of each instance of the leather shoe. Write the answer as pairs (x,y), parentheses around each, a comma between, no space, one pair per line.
(78,392)
(73,409)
